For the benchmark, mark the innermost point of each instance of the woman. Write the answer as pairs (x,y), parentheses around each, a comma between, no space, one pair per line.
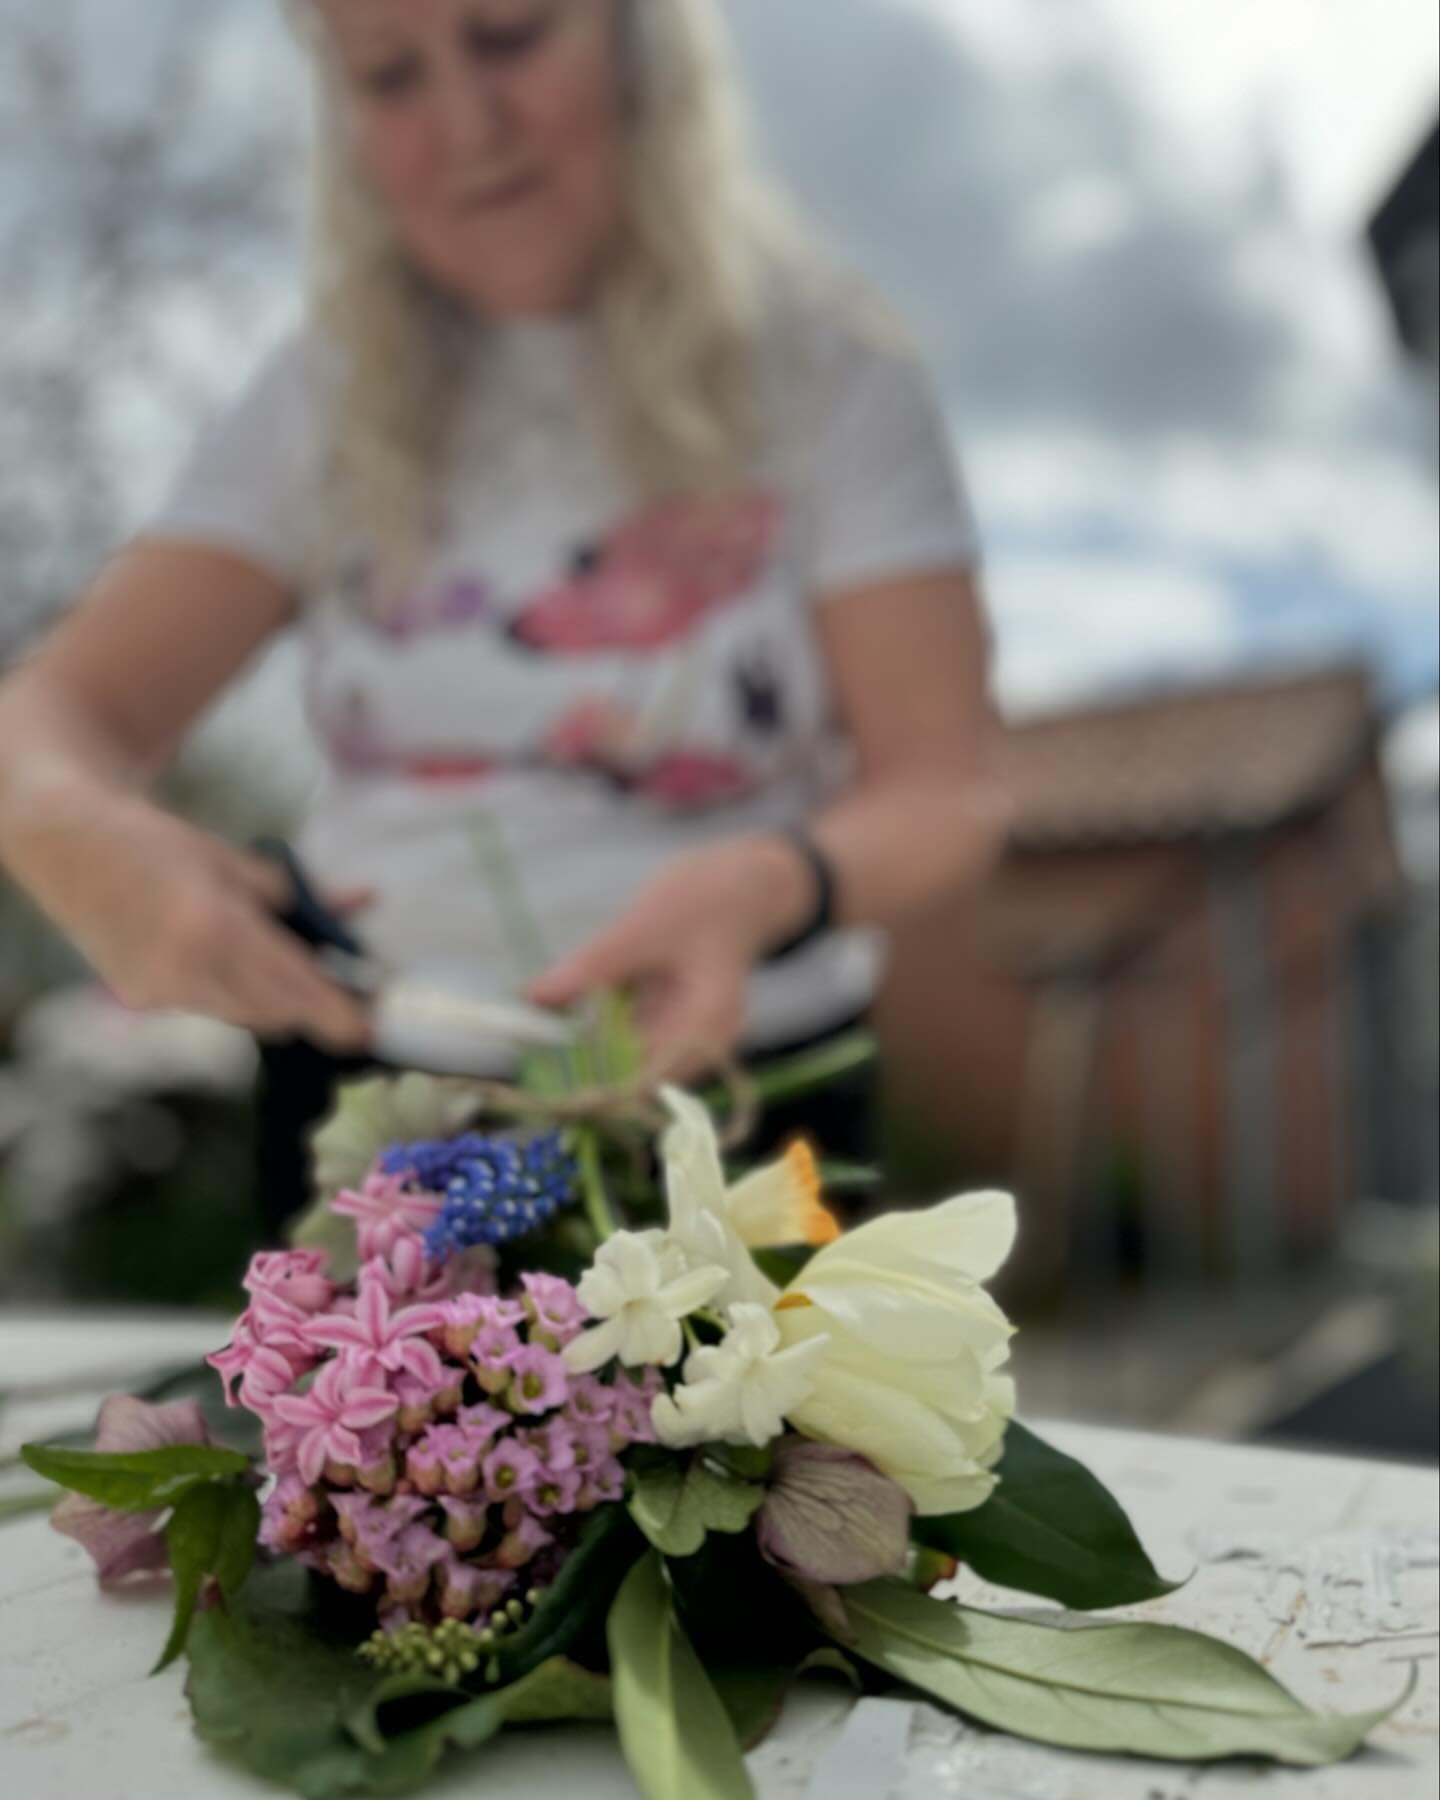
(617,535)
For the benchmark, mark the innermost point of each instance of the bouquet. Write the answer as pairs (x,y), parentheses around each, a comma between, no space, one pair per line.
(537,1436)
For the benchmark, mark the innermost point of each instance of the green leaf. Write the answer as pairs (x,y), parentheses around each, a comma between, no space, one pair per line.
(787,1078)
(580,1597)
(753,1693)
(677,1737)
(1138,1690)
(676,1507)
(556,1692)
(273,1690)
(559,1690)
(138,1481)
(1050,1528)
(276,1686)
(212,1533)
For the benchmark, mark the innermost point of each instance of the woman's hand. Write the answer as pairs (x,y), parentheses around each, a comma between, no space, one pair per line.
(170,917)
(687,945)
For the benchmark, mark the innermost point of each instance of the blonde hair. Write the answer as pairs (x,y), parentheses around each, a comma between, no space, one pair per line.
(679,315)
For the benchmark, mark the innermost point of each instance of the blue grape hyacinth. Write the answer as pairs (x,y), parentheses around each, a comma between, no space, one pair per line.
(495,1189)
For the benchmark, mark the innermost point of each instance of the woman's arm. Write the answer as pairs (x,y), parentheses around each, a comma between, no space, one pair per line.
(168,915)
(924,816)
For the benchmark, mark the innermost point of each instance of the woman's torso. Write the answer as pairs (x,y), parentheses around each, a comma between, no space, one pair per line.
(571,692)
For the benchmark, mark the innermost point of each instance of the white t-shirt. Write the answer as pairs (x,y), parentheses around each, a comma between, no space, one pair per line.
(598,689)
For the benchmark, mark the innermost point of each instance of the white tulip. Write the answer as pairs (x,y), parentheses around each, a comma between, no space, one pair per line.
(639,1288)
(910,1377)
(740,1390)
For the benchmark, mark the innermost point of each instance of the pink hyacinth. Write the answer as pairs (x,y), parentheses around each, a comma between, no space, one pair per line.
(406,1273)
(394,1339)
(276,1324)
(297,1277)
(384,1211)
(347,1398)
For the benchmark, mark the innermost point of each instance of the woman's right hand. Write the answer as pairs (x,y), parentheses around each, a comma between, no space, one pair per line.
(172,918)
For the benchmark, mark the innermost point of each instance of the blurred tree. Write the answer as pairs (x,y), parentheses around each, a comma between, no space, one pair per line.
(145,256)
(143,226)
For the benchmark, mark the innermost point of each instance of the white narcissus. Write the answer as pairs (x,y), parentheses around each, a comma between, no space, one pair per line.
(740,1390)
(639,1288)
(910,1377)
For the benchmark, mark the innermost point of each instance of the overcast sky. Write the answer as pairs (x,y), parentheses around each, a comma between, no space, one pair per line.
(1130,231)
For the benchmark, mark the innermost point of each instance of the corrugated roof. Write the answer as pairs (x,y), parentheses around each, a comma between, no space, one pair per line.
(1222,759)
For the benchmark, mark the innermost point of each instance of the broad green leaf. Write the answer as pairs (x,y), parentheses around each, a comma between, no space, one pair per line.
(390,1711)
(559,1690)
(272,1691)
(753,1692)
(211,1533)
(674,1730)
(1139,1690)
(239,1538)
(1050,1528)
(137,1481)
(556,1692)
(580,1598)
(678,1506)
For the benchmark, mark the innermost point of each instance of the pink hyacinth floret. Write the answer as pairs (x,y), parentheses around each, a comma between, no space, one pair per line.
(384,1210)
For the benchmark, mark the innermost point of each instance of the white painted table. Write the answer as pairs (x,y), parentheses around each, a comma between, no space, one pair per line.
(79,1716)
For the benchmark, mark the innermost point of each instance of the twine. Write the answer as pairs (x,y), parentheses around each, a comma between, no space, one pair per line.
(634,1103)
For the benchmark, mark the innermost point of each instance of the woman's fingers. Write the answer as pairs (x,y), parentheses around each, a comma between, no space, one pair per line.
(270,983)
(257,876)
(347,903)
(613,960)
(692,1021)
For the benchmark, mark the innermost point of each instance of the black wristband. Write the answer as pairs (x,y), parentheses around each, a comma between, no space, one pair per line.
(822,915)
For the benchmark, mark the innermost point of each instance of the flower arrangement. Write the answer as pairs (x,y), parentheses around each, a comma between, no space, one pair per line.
(522,1459)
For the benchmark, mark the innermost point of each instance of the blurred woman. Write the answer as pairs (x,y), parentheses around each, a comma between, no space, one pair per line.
(618,531)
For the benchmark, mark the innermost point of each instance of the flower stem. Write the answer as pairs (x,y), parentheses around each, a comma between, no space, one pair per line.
(592,1183)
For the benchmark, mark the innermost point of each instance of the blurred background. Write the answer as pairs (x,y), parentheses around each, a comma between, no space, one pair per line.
(1177,270)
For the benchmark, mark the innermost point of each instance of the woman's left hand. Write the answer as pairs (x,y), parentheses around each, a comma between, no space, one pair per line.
(686,946)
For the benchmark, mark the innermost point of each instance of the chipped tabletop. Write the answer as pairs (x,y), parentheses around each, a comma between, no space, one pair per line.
(1323,1567)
